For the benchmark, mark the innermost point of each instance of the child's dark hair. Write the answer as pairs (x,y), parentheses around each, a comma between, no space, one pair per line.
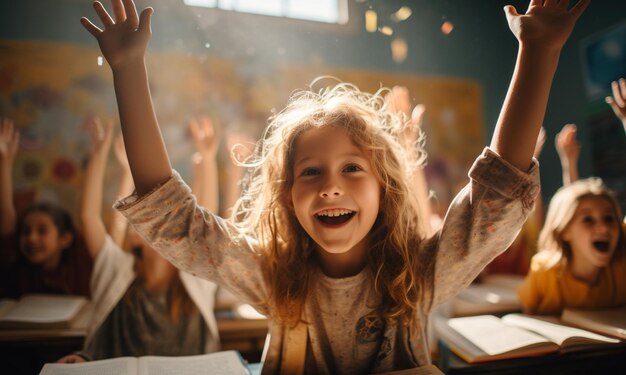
(60,217)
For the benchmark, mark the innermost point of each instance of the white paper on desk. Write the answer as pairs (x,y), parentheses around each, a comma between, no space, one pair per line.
(44,309)
(117,366)
(555,332)
(219,363)
(493,336)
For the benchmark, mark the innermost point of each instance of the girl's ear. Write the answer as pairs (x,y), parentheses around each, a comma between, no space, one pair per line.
(65,240)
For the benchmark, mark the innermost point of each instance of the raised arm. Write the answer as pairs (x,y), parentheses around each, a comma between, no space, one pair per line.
(123,43)
(541,33)
(618,100)
(204,181)
(9,141)
(118,223)
(568,149)
(91,195)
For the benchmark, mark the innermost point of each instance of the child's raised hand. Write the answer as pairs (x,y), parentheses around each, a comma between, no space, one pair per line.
(618,100)
(566,145)
(101,134)
(546,24)
(9,140)
(124,39)
(398,100)
(203,136)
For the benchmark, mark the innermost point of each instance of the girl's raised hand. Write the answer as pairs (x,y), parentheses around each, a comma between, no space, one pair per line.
(125,38)
(101,134)
(9,140)
(547,23)
(566,145)
(618,100)
(203,136)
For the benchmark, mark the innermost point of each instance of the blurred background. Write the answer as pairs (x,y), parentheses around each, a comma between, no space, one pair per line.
(238,61)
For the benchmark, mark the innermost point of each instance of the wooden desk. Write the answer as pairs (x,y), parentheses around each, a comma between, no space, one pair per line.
(25,351)
(610,359)
(245,335)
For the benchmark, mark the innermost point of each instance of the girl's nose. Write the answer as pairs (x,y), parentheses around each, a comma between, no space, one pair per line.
(330,188)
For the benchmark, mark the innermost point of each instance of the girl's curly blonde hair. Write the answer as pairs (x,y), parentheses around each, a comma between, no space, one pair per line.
(265,210)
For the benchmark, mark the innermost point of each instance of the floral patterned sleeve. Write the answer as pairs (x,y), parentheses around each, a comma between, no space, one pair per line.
(197,241)
(482,221)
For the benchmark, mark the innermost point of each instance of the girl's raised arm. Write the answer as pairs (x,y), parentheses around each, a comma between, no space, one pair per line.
(92,225)
(123,43)
(541,33)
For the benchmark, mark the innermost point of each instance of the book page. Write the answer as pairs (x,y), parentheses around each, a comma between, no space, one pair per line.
(552,330)
(44,309)
(5,305)
(220,363)
(117,366)
(610,321)
(492,336)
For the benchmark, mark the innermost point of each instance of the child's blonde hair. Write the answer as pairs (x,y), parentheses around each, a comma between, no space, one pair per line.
(560,213)
(266,212)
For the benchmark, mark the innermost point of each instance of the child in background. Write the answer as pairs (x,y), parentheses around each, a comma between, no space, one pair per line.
(330,245)
(142,304)
(43,252)
(582,262)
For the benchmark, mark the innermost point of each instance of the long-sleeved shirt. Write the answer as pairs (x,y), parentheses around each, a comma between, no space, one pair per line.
(345,335)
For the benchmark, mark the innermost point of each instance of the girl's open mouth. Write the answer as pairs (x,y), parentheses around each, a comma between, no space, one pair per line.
(601,246)
(337,219)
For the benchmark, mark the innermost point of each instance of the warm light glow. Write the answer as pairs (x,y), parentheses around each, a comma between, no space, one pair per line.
(447,27)
(386,30)
(399,50)
(492,298)
(371,21)
(402,14)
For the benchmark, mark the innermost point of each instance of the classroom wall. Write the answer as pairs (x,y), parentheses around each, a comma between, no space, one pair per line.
(480,48)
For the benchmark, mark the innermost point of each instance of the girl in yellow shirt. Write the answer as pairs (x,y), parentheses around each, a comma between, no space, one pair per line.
(583,258)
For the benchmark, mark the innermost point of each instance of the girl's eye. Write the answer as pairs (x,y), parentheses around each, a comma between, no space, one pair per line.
(609,219)
(310,172)
(587,220)
(352,168)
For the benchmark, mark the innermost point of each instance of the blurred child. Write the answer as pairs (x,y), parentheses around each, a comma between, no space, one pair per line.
(330,245)
(142,304)
(582,262)
(42,252)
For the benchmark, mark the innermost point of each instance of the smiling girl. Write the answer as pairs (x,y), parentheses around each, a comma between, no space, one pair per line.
(582,262)
(327,240)
(41,251)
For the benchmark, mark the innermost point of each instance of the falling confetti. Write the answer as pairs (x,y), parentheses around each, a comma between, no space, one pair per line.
(401,14)
(399,50)
(447,27)
(207,45)
(371,21)
(100,61)
(386,30)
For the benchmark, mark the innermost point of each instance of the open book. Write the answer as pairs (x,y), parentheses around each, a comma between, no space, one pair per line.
(487,338)
(41,311)
(610,322)
(227,362)
(495,294)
